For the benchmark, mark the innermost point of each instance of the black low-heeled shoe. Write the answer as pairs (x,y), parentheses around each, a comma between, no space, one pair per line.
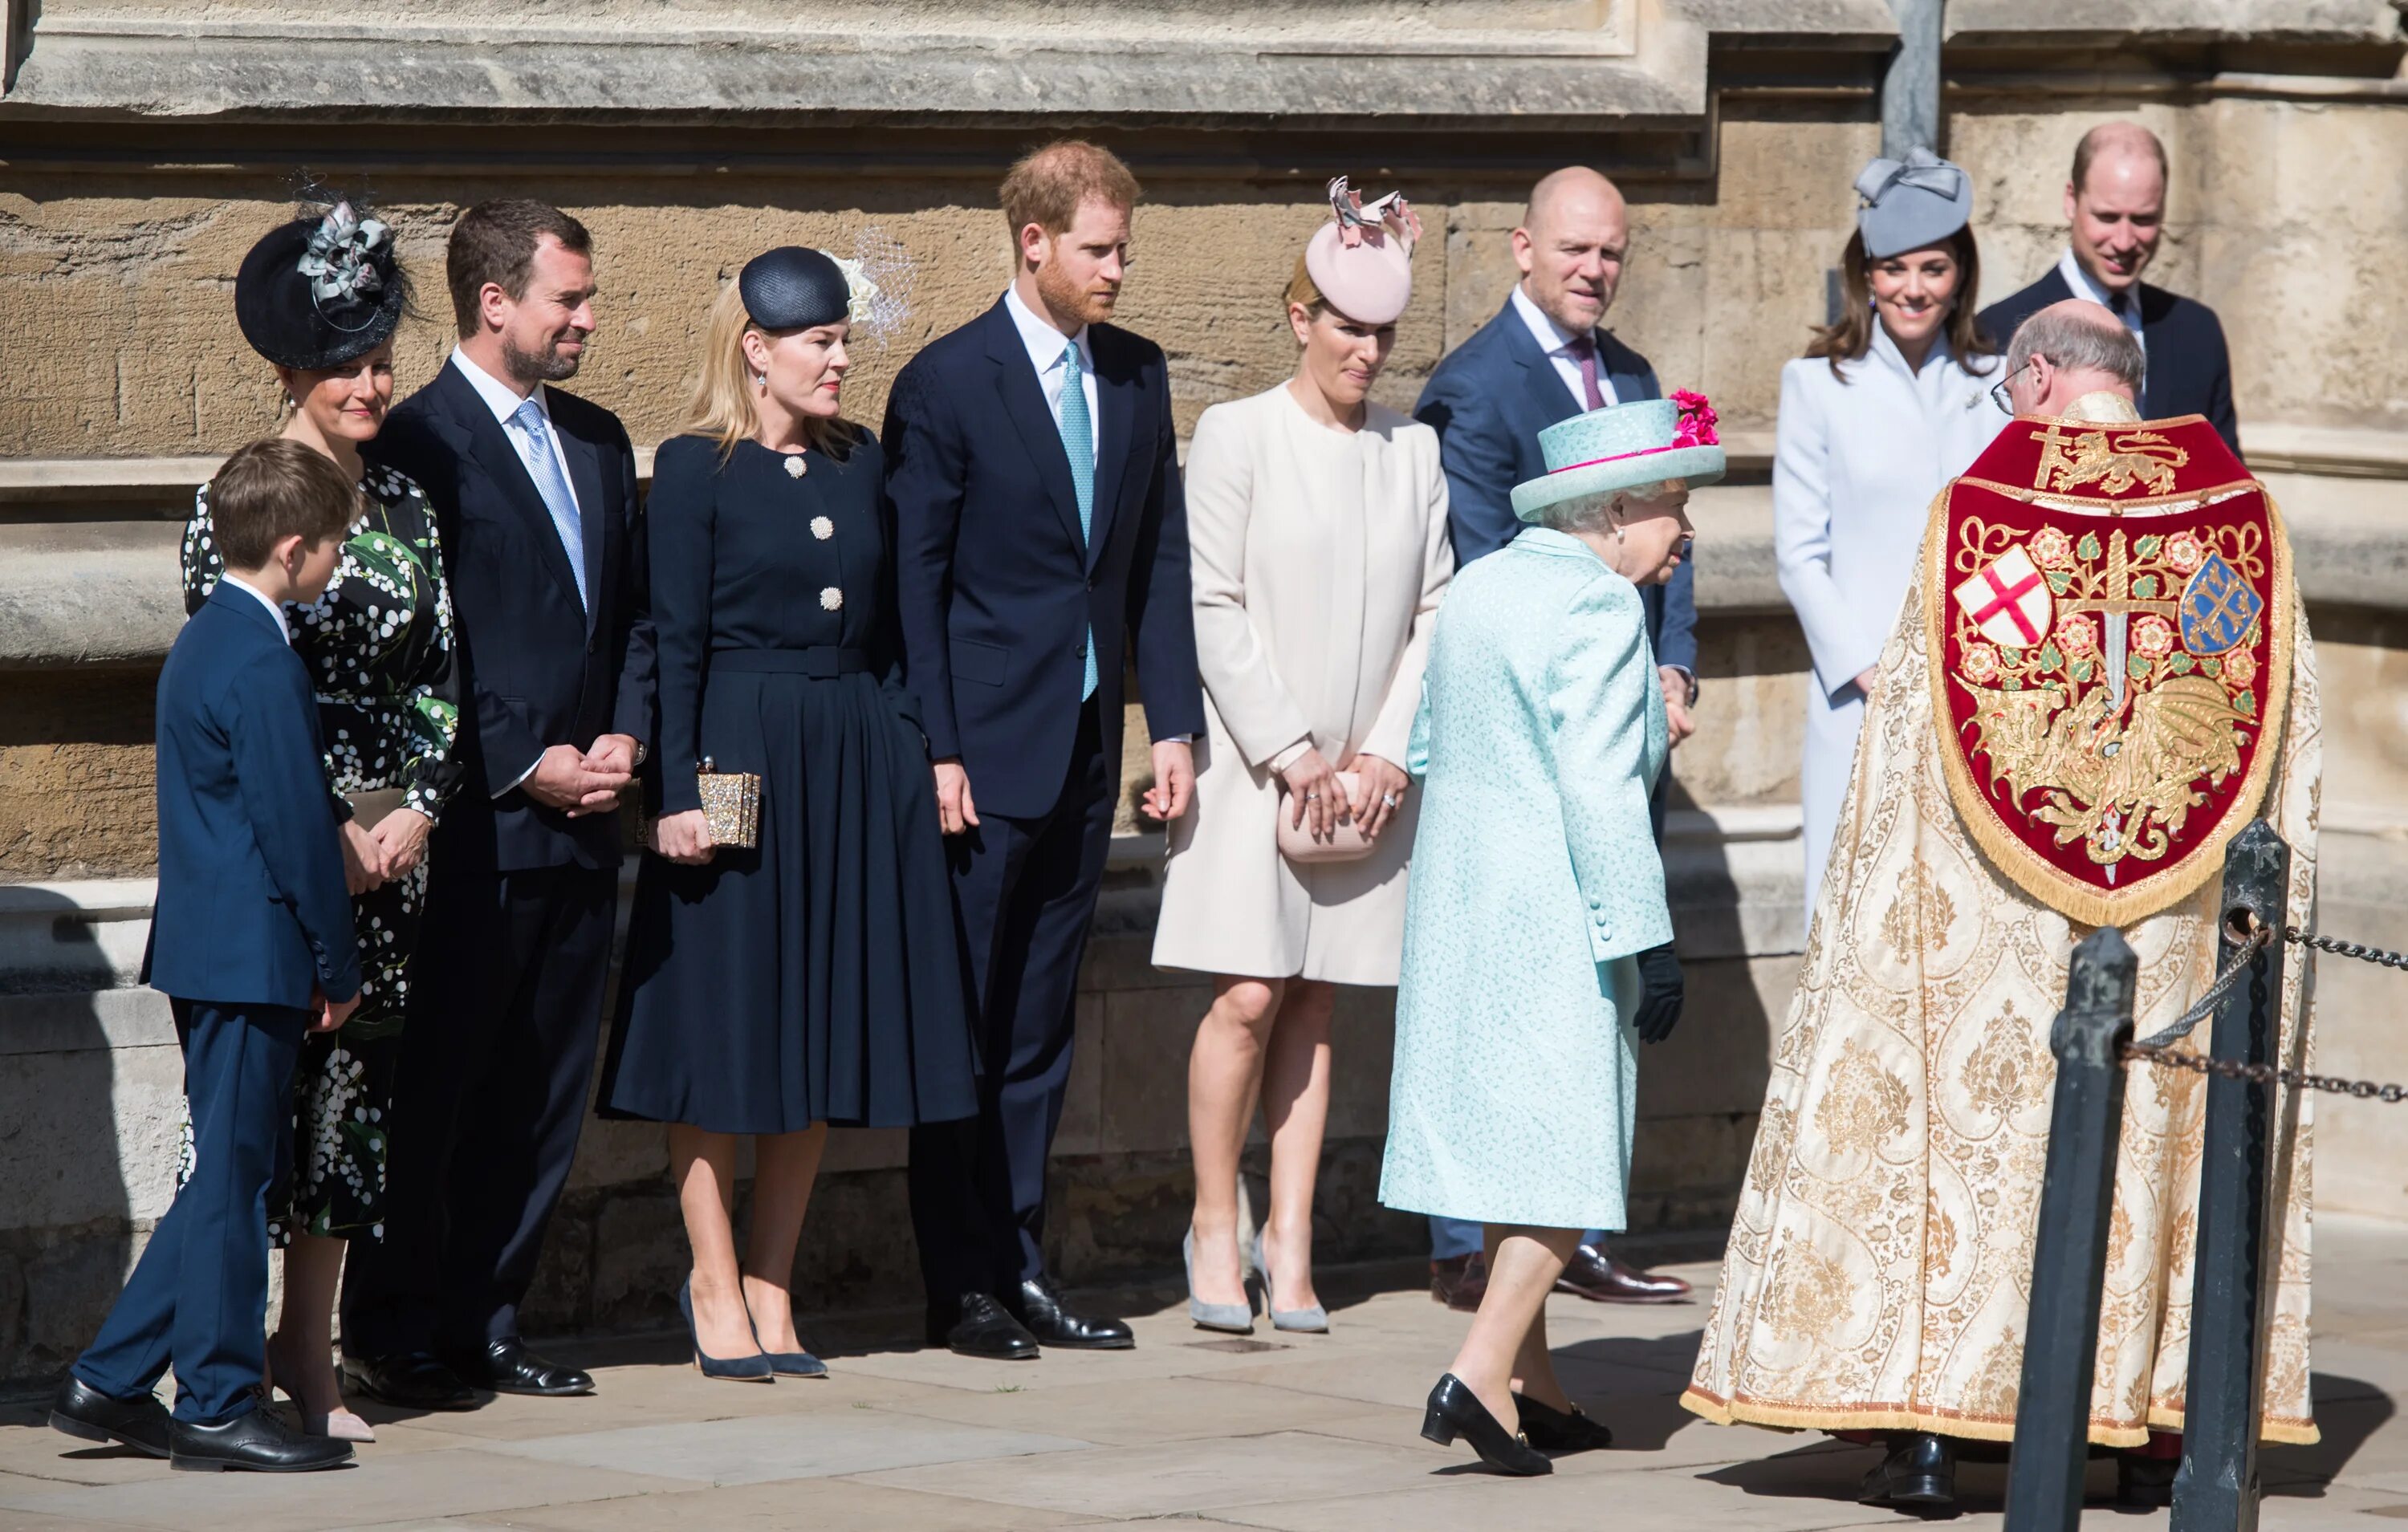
(754,1368)
(1455,1411)
(1553,1430)
(1919,1473)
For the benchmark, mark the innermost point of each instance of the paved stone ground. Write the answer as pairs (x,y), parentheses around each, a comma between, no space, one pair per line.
(1302,1434)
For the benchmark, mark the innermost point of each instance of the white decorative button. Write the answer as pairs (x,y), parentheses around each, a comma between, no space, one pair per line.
(794,466)
(831,600)
(823,528)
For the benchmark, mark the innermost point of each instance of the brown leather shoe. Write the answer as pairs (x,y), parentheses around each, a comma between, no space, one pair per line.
(1595,1275)
(1460,1281)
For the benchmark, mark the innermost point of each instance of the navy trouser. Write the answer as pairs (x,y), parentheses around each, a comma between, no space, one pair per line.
(1026,893)
(198,1297)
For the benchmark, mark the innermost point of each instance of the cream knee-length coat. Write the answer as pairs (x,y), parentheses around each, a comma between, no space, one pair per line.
(1320,557)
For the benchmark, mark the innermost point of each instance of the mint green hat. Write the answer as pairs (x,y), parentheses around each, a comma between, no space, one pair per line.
(1622,447)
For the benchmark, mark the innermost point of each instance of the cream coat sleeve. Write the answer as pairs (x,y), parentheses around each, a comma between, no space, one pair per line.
(1843,640)
(1246,692)
(1391,734)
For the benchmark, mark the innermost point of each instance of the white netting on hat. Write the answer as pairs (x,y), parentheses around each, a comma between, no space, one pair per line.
(880,273)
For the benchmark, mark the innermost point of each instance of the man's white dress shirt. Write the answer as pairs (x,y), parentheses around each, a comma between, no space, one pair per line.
(275,608)
(1046,346)
(1556,342)
(2079,281)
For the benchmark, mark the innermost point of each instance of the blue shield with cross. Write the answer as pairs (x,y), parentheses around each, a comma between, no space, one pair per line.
(2218,607)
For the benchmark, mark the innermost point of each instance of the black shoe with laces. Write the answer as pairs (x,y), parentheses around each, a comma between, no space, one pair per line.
(1039,1306)
(978,1324)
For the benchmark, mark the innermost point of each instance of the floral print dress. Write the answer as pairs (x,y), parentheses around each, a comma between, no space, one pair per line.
(379,645)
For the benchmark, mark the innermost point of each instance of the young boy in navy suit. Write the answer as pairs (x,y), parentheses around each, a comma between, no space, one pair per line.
(252,941)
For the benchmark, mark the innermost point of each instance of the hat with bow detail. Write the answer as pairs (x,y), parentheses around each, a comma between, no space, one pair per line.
(1911,203)
(1361,261)
(320,291)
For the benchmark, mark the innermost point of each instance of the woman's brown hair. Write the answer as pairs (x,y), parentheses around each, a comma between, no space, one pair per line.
(1852,334)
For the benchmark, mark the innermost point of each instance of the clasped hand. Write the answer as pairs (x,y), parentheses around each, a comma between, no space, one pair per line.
(1317,805)
(583,782)
(377,854)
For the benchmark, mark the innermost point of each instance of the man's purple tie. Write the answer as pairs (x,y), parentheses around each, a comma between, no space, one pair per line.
(1584,352)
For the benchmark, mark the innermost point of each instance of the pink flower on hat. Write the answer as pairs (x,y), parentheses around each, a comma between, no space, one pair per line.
(1695,427)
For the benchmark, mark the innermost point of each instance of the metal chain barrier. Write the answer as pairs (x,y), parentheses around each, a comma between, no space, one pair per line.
(2156,1048)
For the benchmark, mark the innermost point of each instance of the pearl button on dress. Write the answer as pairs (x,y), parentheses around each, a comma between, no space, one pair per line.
(795,467)
(831,600)
(823,528)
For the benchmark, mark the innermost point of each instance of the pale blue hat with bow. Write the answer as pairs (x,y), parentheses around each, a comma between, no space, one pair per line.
(1911,203)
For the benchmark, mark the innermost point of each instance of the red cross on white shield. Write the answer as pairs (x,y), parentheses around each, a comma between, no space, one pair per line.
(2009,601)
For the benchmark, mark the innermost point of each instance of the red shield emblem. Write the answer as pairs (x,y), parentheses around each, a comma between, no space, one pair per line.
(2108,615)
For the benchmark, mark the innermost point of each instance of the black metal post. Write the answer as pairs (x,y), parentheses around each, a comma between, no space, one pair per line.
(2239,1239)
(2069,1257)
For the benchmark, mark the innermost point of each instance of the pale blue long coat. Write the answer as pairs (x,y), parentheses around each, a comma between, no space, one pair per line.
(1536,879)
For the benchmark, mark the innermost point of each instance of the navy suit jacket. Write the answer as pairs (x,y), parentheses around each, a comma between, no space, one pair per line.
(251,906)
(996,588)
(2189,372)
(1488,400)
(541,670)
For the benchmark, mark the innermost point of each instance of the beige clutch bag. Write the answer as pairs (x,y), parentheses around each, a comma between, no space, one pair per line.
(731,808)
(1296,840)
(370,804)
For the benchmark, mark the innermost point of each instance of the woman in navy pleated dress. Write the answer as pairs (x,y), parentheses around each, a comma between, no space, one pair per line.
(815,978)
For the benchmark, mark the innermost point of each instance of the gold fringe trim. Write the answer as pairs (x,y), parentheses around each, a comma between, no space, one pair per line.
(1948,1422)
(2070,896)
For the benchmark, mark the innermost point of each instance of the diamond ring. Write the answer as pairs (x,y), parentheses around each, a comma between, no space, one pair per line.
(1388,800)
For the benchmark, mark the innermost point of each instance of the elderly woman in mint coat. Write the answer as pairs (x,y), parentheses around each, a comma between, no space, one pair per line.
(1538,941)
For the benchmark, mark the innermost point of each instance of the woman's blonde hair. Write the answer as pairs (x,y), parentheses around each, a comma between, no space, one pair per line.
(722,407)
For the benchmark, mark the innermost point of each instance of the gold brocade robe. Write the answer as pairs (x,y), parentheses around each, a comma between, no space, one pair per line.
(1880,1262)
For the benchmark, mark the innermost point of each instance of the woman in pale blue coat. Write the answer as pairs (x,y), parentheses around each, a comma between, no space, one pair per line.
(1538,944)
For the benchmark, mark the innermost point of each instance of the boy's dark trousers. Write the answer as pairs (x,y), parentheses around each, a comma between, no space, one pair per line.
(198,1297)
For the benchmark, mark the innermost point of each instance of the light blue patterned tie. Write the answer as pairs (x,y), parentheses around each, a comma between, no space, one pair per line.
(553,485)
(1078,442)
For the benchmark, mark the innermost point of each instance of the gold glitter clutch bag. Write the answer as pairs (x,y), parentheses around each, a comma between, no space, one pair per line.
(731,808)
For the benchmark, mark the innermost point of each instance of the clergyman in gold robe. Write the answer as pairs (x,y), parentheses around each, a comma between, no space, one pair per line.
(2102,674)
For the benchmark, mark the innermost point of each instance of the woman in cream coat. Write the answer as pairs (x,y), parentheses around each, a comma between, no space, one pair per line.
(1885,408)
(1317,522)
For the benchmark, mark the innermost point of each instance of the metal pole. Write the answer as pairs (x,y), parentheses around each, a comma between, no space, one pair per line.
(1910,89)
(2069,1257)
(2240,1242)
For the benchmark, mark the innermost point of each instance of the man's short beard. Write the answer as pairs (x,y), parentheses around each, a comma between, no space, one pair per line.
(1065,297)
(544,367)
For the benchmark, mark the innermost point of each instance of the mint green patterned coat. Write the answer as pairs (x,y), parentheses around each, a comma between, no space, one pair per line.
(1536,879)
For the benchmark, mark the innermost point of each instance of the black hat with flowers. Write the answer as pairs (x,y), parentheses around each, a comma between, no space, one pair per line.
(321,291)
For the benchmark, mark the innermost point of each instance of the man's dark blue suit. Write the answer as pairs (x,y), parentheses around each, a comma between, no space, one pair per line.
(2189,371)
(997,591)
(505,987)
(1488,400)
(252,921)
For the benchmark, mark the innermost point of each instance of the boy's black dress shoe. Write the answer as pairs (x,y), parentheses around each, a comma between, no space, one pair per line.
(87,1414)
(411,1380)
(259,1442)
(978,1326)
(1920,1471)
(1054,1323)
(507,1366)
(1553,1430)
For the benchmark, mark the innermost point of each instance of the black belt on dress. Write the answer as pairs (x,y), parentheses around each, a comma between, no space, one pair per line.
(821,662)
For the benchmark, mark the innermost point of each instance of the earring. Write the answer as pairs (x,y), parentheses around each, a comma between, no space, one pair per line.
(760,379)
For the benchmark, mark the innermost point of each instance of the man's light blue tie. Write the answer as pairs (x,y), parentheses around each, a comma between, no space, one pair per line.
(1078,443)
(553,485)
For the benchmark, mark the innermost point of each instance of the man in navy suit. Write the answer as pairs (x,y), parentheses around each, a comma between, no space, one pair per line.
(1041,538)
(252,939)
(535,493)
(1544,359)
(2116,204)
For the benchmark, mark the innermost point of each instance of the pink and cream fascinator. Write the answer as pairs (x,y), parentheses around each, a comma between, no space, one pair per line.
(1360,263)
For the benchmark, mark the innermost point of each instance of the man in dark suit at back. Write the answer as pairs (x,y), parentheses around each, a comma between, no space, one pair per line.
(2116,206)
(1039,532)
(534,496)
(1544,359)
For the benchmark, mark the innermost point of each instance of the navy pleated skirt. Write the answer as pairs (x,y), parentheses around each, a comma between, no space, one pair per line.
(818,978)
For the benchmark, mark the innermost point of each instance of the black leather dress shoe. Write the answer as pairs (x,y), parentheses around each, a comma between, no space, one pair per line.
(1553,1430)
(259,1442)
(1054,1323)
(2144,1484)
(978,1326)
(507,1366)
(1594,1273)
(1919,1472)
(412,1379)
(87,1414)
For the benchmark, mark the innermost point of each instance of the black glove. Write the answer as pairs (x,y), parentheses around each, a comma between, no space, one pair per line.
(1659,1000)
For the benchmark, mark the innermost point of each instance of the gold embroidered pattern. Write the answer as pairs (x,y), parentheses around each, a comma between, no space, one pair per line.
(2113,460)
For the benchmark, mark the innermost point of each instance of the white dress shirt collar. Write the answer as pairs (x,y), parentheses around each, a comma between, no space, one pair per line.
(1556,342)
(275,610)
(2079,282)
(499,397)
(1045,342)
(1551,337)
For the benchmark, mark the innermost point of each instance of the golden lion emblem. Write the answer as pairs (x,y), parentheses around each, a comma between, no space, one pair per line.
(2115,461)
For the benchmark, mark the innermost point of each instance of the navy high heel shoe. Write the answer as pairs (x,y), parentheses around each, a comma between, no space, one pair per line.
(742,1369)
(786,1364)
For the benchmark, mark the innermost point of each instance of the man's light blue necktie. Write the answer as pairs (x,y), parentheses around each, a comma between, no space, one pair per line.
(553,485)
(1078,442)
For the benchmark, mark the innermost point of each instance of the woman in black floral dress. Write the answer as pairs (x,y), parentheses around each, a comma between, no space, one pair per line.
(319,298)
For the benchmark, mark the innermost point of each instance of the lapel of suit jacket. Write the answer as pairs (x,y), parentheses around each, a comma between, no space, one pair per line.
(1116,397)
(1545,398)
(1032,422)
(585,477)
(491,446)
(1624,369)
